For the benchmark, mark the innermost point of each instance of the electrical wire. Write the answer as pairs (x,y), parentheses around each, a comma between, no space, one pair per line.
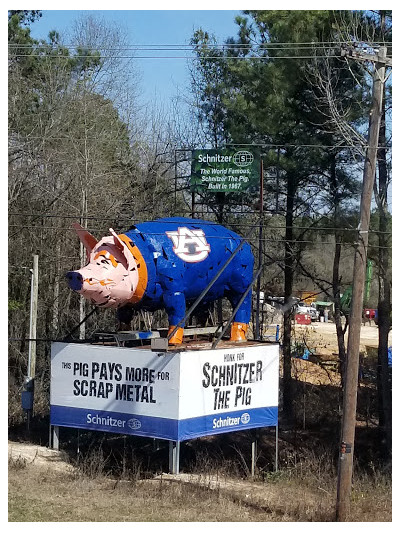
(209,46)
(233,224)
(207,58)
(213,237)
(264,145)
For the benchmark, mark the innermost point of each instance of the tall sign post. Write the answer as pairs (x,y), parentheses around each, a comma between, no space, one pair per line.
(260,251)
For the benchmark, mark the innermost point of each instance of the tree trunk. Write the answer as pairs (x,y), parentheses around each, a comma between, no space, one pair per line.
(337,314)
(287,317)
(335,273)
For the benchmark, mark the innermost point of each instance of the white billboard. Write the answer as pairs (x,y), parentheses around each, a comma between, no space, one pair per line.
(173,395)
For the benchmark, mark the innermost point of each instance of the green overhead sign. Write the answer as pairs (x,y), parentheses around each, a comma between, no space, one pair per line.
(228,170)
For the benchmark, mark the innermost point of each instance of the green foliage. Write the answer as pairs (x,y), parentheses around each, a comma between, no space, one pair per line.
(377,240)
(69,155)
(24,17)
(258,91)
(14,305)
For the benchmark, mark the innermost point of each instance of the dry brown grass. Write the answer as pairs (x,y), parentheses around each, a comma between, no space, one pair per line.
(51,497)
(300,493)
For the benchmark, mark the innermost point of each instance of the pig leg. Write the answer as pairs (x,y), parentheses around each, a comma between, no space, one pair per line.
(175,305)
(242,317)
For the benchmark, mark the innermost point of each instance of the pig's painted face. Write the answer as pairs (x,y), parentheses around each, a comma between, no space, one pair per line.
(110,278)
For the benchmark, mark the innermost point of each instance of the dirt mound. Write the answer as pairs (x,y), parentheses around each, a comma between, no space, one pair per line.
(37,455)
(311,372)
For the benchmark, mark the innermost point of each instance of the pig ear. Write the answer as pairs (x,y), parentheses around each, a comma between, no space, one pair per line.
(120,245)
(117,241)
(86,238)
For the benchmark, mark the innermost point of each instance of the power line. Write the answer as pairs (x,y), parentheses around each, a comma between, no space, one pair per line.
(193,58)
(264,145)
(233,224)
(191,46)
(212,237)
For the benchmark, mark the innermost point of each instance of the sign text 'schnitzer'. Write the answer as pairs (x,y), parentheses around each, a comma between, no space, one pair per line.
(239,375)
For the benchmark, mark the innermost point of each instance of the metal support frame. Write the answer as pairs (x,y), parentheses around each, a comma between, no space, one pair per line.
(174,449)
(68,336)
(254,448)
(254,453)
(54,437)
(174,452)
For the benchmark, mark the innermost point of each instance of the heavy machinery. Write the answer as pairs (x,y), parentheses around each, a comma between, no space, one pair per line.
(345,300)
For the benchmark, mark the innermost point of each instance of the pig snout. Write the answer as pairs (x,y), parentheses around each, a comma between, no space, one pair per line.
(75,280)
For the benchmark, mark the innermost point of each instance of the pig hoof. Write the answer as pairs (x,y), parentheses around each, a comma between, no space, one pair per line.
(177,337)
(238,331)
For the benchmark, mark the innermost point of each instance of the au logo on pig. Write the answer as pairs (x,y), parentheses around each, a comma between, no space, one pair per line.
(190,245)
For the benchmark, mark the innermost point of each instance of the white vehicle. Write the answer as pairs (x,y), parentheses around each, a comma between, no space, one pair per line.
(302,308)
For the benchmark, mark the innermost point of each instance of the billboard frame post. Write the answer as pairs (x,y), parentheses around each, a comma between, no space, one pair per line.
(54,437)
(254,443)
(174,453)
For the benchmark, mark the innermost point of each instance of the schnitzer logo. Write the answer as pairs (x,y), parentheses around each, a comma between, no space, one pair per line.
(190,245)
(134,423)
(230,421)
(245,418)
(243,158)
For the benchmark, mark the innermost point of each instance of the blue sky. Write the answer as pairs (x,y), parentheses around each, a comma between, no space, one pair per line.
(162,78)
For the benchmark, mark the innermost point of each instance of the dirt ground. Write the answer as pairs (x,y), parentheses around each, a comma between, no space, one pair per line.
(321,340)
(322,336)
(39,456)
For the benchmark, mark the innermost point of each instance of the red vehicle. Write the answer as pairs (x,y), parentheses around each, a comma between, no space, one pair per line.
(303,318)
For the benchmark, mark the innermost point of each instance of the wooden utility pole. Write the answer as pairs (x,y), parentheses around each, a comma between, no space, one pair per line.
(33,317)
(30,378)
(360,263)
(83,261)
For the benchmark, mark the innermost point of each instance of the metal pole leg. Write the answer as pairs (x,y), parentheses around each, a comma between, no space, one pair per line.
(55,437)
(174,449)
(254,453)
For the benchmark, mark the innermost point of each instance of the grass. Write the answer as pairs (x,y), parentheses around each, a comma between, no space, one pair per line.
(297,494)
(53,497)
